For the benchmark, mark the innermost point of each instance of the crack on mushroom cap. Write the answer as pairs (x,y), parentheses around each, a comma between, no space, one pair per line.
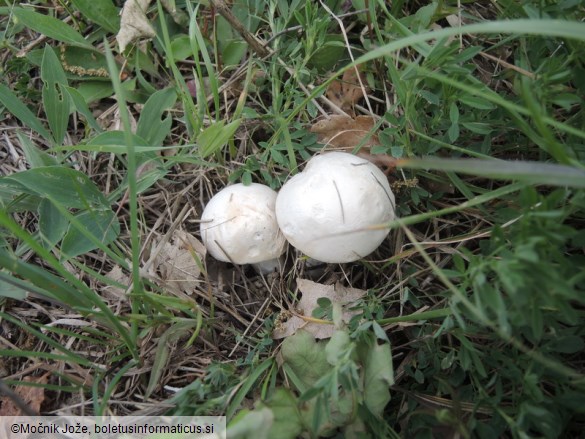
(363,201)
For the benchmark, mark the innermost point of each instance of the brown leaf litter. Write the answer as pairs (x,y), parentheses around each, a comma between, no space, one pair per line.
(301,316)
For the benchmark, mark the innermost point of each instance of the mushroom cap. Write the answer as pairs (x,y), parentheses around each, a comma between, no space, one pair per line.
(239,225)
(336,193)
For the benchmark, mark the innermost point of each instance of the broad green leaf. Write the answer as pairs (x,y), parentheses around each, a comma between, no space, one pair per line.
(306,357)
(34,156)
(55,99)
(102,12)
(181,47)
(531,172)
(378,377)
(253,424)
(15,106)
(233,51)
(52,224)
(81,107)
(12,291)
(98,89)
(337,346)
(287,422)
(83,62)
(329,54)
(95,90)
(214,137)
(151,125)
(50,27)
(68,187)
(102,224)
(12,199)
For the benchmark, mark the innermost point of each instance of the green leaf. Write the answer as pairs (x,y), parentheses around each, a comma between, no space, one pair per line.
(254,424)
(337,346)
(95,90)
(378,377)
(22,112)
(12,291)
(306,357)
(151,126)
(329,54)
(454,113)
(68,187)
(476,102)
(102,224)
(214,137)
(287,422)
(50,27)
(81,107)
(55,99)
(233,51)
(34,156)
(181,47)
(161,357)
(102,12)
(453,132)
(52,224)
(569,344)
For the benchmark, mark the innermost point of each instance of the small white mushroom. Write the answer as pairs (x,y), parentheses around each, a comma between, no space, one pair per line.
(239,225)
(320,209)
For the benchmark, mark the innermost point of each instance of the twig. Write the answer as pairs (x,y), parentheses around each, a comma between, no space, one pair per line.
(508,65)
(254,42)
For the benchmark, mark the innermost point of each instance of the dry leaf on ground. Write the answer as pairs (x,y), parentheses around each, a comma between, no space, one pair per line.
(117,275)
(33,397)
(347,91)
(311,292)
(133,23)
(346,133)
(177,262)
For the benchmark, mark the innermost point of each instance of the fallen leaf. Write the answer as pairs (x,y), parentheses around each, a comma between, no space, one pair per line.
(342,132)
(177,262)
(118,276)
(347,91)
(311,292)
(33,397)
(133,23)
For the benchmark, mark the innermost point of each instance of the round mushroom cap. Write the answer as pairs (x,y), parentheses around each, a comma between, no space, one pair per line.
(239,225)
(320,209)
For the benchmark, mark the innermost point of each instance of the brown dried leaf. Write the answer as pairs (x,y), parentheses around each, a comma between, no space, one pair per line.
(347,91)
(311,292)
(346,133)
(177,261)
(117,275)
(133,23)
(33,397)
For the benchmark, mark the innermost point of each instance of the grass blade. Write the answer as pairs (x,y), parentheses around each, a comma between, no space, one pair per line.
(529,172)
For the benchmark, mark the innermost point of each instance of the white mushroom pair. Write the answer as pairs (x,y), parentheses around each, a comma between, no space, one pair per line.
(322,211)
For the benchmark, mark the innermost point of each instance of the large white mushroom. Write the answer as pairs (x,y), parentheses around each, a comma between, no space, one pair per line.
(239,225)
(323,210)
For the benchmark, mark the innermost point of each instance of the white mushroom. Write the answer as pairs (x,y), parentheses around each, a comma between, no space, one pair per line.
(320,209)
(239,225)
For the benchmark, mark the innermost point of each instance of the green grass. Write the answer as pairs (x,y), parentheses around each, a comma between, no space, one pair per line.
(472,320)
